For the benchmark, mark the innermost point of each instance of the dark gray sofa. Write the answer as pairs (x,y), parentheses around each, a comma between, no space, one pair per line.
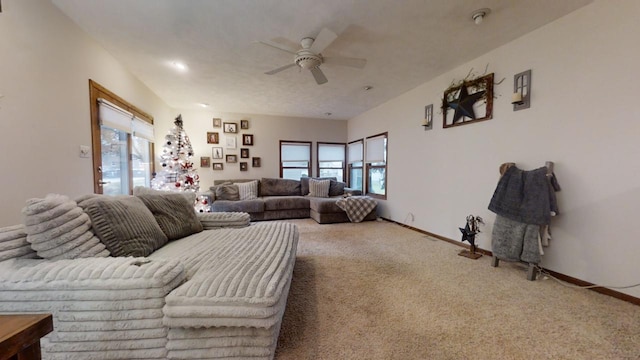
(283,199)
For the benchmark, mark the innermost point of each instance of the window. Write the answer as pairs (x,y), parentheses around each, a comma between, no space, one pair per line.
(355,152)
(122,143)
(376,162)
(331,158)
(295,159)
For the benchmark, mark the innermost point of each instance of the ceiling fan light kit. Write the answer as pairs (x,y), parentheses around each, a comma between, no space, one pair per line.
(309,57)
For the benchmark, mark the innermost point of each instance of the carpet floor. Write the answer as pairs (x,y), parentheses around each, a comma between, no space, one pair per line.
(376,290)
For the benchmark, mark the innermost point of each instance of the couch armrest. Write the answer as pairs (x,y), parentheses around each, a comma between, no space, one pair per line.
(352,192)
(210,195)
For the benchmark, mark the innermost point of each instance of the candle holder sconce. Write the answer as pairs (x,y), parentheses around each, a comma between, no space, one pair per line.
(521,98)
(427,123)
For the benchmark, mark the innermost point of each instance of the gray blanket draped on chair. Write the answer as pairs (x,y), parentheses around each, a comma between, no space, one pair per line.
(523,200)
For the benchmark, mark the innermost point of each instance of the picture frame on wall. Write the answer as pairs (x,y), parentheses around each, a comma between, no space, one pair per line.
(244,166)
(231,158)
(255,162)
(217,122)
(244,124)
(218,166)
(468,103)
(217,153)
(213,138)
(247,139)
(231,142)
(244,153)
(205,162)
(230,127)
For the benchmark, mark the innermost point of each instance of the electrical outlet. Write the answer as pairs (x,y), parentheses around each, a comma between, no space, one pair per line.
(85,151)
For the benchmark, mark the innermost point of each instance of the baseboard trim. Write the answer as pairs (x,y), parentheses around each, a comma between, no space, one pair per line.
(560,276)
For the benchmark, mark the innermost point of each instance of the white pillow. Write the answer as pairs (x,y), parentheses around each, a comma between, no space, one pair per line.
(248,190)
(319,188)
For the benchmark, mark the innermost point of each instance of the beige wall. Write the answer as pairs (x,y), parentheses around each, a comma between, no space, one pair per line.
(267,131)
(583,117)
(47,62)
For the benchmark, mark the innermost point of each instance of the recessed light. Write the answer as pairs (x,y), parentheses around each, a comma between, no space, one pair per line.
(204,105)
(180,66)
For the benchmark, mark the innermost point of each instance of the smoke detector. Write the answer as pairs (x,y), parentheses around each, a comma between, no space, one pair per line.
(479,15)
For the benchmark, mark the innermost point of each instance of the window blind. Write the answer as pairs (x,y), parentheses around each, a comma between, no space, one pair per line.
(295,152)
(112,116)
(376,149)
(330,152)
(355,152)
(142,129)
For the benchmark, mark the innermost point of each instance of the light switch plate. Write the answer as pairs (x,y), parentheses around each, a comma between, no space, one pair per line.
(85,151)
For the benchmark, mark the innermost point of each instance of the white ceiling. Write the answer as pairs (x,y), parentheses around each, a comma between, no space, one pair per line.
(406,43)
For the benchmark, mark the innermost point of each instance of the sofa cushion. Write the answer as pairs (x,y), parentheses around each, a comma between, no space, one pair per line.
(249,206)
(248,190)
(237,277)
(57,228)
(304,183)
(125,225)
(319,188)
(13,243)
(325,205)
(174,214)
(227,192)
(279,187)
(285,202)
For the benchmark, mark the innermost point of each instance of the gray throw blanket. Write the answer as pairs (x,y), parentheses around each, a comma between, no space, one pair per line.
(525,196)
(515,241)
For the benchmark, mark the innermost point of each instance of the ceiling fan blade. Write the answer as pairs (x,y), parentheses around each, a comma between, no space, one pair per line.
(281,68)
(346,61)
(324,39)
(279,47)
(319,75)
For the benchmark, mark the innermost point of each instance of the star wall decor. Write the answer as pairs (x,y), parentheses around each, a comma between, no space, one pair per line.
(463,105)
(460,110)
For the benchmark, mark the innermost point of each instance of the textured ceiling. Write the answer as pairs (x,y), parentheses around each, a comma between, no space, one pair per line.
(405,42)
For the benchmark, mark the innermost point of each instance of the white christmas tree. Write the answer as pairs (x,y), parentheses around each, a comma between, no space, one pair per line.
(178,172)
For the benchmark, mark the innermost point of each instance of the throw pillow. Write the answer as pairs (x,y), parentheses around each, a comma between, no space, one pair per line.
(57,228)
(248,190)
(336,188)
(227,192)
(319,188)
(125,225)
(304,183)
(175,215)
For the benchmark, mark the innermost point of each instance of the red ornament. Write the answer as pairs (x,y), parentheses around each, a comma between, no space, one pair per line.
(177,184)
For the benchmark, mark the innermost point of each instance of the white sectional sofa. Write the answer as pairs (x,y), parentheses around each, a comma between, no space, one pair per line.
(218,293)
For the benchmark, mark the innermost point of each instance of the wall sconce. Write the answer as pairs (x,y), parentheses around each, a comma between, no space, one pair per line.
(521,98)
(428,117)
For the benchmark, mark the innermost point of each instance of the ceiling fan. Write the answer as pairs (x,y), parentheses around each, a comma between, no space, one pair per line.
(309,57)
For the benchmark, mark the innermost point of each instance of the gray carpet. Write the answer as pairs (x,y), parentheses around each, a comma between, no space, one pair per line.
(376,290)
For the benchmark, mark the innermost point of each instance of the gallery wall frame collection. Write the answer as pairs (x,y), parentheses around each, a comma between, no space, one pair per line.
(230,142)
